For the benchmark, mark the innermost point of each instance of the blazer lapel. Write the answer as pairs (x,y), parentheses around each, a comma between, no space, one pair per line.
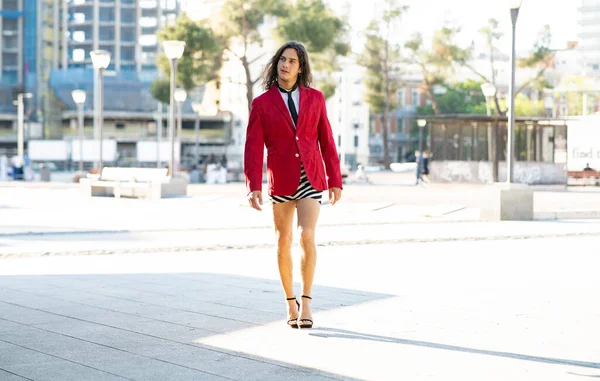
(277,100)
(304,103)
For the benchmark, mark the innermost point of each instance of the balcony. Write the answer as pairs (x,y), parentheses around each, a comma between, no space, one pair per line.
(10,49)
(77,4)
(86,22)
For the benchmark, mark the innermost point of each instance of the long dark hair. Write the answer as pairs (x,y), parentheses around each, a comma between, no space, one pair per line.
(270,74)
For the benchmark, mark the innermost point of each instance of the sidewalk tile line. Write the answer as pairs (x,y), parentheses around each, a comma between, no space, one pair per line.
(14,374)
(58,357)
(204,347)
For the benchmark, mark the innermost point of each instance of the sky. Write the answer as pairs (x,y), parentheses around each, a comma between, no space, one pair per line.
(426,16)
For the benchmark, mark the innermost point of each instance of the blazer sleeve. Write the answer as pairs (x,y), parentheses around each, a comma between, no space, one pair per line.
(254,150)
(328,150)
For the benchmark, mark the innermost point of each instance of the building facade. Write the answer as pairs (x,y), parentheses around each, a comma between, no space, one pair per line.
(589,35)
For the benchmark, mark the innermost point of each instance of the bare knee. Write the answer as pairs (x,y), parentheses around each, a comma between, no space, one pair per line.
(284,239)
(307,236)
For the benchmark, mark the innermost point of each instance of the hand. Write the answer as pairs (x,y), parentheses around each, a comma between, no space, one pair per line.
(334,195)
(255,200)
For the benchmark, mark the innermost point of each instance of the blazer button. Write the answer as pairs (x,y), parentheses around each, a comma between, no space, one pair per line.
(297,155)
(297,138)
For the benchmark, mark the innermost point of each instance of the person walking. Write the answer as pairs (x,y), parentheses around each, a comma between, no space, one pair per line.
(425,167)
(290,119)
(419,163)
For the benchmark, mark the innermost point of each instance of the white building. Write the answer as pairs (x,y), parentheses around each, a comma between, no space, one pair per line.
(589,35)
(349,115)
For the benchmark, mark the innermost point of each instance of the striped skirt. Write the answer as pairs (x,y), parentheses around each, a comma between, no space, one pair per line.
(305,190)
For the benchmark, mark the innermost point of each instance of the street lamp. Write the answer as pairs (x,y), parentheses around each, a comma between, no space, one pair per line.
(100,60)
(173,50)
(180,97)
(514,5)
(421,123)
(489,92)
(20,123)
(79,99)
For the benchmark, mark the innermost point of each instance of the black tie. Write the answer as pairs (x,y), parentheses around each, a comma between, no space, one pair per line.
(290,101)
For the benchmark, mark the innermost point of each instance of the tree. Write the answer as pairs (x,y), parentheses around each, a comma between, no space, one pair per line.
(323,34)
(466,98)
(435,64)
(201,61)
(380,58)
(540,57)
(240,23)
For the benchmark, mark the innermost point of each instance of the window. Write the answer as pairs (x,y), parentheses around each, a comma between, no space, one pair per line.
(120,126)
(415,97)
(148,40)
(79,18)
(79,36)
(355,140)
(148,22)
(78,55)
(339,140)
(400,97)
(148,4)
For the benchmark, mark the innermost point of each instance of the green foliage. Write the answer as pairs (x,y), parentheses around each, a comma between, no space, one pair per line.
(379,58)
(202,58)
(526,107)
(161,90)
(459,98)
(242,18)
(313,24)
(435,63)
(327,87)
(466,98)
(324,35)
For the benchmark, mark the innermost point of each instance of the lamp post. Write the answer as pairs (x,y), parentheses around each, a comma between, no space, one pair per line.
(227,120)
(173,50)
(489,91)
(100,60)
(79,99)
(421,123)
(514,5)
(180,97)
(20,123)
(197,107)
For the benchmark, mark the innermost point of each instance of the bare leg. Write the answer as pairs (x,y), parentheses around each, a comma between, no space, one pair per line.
(283,217)
(308,214)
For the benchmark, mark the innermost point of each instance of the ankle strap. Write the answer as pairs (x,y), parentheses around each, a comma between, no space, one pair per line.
(307,297)
(294,298)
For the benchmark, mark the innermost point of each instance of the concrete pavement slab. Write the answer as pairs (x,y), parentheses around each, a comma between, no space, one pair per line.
(468,310)
(6,376)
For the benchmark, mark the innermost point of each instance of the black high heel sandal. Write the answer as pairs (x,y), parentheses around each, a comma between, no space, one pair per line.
(309,322)
(294,322)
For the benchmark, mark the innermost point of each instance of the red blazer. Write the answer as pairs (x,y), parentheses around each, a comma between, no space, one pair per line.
(311,143)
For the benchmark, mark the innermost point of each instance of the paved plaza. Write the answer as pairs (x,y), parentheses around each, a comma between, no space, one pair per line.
(410,285)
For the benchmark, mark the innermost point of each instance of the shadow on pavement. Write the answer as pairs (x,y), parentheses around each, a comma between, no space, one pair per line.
(149,324)
(335,333)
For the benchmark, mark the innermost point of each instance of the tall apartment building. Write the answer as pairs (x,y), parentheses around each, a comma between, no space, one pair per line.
(589,35)
(126,28)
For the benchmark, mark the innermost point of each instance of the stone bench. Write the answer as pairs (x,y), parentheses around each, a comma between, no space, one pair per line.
(147,183)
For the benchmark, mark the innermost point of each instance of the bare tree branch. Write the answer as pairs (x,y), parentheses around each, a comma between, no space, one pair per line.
(234,53)
(465,64)
(256,59)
